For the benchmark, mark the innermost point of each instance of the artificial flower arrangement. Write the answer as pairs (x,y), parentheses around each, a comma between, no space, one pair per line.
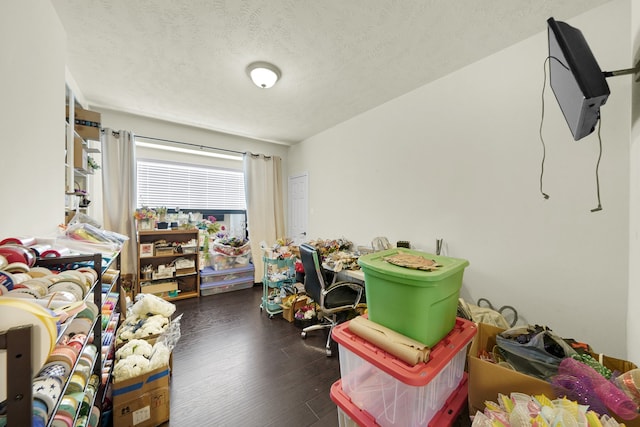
(282,249)
(284,241)
(212,228)
(325,247)
(210,225)
(144,213)
(231,246)
(307,312)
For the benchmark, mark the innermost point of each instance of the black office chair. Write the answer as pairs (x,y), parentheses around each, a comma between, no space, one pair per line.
(332,298)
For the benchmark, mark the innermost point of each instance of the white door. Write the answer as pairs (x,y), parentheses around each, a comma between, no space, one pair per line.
(298,207)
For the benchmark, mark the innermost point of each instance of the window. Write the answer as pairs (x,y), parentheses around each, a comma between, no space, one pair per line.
(190,187)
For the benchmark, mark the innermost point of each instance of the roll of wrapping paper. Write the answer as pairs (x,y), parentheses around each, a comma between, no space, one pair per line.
(400,346)
(39,249)
(55,253)
(22,241)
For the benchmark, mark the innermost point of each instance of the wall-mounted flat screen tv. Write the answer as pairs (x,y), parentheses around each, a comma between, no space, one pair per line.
(576,79)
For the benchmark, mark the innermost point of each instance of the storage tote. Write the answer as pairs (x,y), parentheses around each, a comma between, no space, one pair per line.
(349,415)
(393,392)
(419,304)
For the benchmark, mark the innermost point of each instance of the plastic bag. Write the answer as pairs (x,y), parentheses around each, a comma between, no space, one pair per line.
(486,315)
(82,218)
(91,233)
(533,350)
(171,335)
(231,246)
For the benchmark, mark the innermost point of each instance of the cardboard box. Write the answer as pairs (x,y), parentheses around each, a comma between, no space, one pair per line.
(487,379)
(151,339)
(142,401)
(158,288)
(165,274)
(80,155)
(87,123)
(184,263)
(164,250)
(288,313)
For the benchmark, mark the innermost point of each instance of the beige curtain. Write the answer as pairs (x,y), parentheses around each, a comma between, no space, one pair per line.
(265,213)
(118,192)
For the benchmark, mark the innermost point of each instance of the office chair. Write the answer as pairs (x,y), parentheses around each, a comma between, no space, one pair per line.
(332,298)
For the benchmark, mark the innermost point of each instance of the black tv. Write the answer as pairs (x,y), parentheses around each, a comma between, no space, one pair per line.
(578,83)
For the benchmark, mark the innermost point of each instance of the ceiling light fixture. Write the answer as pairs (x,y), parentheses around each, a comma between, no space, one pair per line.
(263,74)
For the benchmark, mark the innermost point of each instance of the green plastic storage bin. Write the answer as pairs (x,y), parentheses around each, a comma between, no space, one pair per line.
(419,304)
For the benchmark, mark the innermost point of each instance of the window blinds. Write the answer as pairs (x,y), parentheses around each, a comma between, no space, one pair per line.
(191,187)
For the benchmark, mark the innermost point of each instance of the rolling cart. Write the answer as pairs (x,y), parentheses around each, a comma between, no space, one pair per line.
(279,273)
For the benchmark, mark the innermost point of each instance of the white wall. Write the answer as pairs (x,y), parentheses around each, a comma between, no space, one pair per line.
(633,320)
(32,116)
(460,159)
(161,129)
(144,126)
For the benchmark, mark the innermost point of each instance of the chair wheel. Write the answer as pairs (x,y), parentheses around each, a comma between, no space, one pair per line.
(303,335)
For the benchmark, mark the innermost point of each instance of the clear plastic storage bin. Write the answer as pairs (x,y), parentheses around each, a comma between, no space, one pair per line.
(224,262)
(393,392)
(350,415)
(210,276)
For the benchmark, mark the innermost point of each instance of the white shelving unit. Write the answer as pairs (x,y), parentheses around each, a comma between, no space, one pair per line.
(78,176)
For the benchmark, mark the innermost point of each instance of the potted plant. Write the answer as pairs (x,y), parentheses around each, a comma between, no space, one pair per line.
(93,166)
(162,213)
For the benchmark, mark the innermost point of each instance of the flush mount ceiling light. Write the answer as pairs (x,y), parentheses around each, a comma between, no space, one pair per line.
(263,74)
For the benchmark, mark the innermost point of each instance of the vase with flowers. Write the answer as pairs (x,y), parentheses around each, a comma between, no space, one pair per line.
(145,218)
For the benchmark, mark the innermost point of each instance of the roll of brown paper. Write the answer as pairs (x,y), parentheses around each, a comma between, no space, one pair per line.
(402,347)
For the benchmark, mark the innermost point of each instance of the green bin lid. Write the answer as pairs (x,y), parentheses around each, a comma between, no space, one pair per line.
(374,263)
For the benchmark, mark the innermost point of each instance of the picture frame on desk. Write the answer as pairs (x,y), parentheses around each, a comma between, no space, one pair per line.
(146,250)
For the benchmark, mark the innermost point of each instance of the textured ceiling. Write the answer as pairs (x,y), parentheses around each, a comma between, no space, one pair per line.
(184,60)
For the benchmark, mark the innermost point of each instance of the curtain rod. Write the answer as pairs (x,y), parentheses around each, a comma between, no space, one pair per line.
(200,146)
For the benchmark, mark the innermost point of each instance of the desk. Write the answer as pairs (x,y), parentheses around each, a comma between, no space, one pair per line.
(348,275)
(354,274)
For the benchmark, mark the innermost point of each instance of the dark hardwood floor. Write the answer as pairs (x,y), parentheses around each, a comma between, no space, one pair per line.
(233,366)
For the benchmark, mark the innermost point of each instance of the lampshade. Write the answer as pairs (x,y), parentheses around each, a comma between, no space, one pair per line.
(263,74)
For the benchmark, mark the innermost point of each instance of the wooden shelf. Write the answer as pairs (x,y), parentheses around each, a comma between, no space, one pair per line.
(188,283)
(169,231)
(183,295)
(165,256)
